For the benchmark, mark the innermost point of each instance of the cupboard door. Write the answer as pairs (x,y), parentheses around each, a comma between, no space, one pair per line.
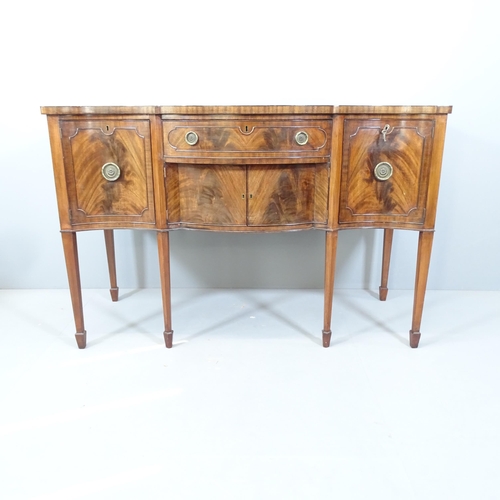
(108,171)
(206,194)
(287,195)
(385,170)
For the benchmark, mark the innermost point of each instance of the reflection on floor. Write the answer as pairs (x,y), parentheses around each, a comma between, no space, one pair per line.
(248,405)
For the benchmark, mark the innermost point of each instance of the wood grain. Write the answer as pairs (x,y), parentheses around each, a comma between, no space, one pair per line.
(423,260)
(407,147)
(242,110)
(99,110)
(70,248)
(109,239)
(280,195)
(207,195)
(246,137)
(396,110)
(257,195)
(386,260)
(164,258)
(330,258)
(87,146)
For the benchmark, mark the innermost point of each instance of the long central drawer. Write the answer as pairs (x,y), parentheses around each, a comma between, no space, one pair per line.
(246,138)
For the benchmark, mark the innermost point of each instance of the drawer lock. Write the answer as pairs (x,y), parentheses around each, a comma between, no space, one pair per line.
(382,171)
(110,171)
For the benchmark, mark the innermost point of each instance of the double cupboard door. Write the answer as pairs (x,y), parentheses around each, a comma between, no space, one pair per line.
(244,196)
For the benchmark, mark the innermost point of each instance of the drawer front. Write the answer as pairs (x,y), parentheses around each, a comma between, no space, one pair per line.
(385,170)
(108,171)
(244,138)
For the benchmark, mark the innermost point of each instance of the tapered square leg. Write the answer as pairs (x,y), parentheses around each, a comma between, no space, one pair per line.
(164,256)
(330,256)
(109,239)
(386,259)
(414,339)
(169,337)
(71,257)
(81,339)
(326,338)
(423,260)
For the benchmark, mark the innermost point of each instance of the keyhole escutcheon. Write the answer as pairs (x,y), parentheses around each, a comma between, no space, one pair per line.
(246,129)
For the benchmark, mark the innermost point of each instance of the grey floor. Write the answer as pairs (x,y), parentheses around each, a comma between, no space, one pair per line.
(248,405)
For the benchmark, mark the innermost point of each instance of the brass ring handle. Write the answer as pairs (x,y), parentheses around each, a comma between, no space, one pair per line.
(301,138)
(191,138)
(383,171)
(111,171)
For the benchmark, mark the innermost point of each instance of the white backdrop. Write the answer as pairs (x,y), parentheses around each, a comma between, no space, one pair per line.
(431,52)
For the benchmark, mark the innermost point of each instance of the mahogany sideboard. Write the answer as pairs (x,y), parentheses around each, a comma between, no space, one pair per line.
(247,168)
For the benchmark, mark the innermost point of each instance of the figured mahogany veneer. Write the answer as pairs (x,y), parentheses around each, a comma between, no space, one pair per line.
(241,137)
(247,168)
(89,144)
(236,197)
(407,146)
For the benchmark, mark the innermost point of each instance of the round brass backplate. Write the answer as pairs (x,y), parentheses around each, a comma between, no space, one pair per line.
(111,171)
(383,171)
(191,138)
(301,138)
